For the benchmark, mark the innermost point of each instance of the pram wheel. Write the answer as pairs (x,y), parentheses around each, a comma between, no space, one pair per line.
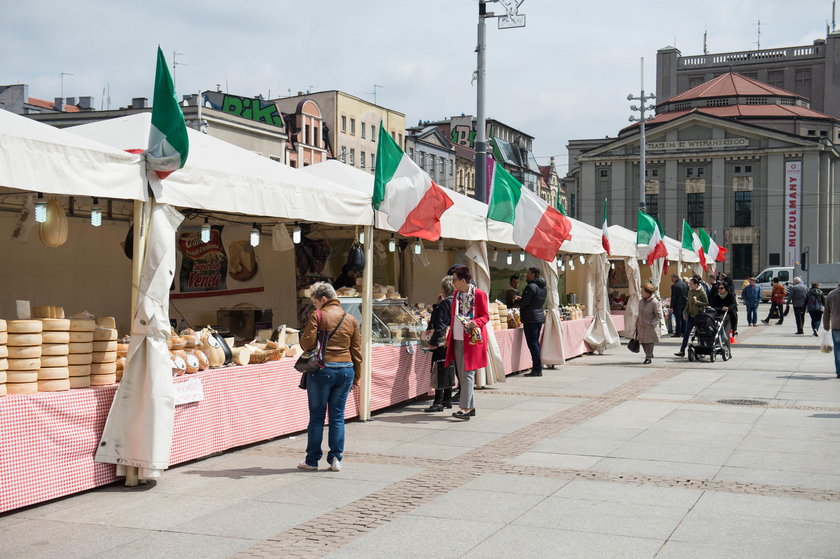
(726,354)
(712,356)
(691,354)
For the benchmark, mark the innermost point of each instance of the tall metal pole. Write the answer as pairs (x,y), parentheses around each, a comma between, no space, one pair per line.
(642,98)
(481,117)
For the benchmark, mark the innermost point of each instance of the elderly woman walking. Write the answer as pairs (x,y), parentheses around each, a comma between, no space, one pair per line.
(330,386)
(466,343)
(647,324)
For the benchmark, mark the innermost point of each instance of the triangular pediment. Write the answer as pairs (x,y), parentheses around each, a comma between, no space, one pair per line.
(432,135)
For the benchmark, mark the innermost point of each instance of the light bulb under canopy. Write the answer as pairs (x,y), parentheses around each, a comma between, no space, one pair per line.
(362,238)
(96,213)
(522,256)
(418,247)
(255,236)
(392,245)
(509,258)
(40,209)
(205,232)
(296,234)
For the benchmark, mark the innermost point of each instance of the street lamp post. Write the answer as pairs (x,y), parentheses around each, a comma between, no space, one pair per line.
(641,109)
(511,19)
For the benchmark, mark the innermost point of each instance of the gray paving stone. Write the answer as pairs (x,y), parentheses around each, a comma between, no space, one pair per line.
(484,506)
(656,467)
(507,483)
(252,520)
(36,539)
(173,545)
(632,494)
(554,460)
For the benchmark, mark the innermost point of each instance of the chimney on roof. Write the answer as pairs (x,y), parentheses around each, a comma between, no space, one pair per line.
(139,102)
(300,93)
(58,103)
(71,101)
(86,103)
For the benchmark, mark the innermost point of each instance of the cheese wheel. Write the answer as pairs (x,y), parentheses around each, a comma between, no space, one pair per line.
(104,334)
(22,387)
(3,325)
(29,352)
(177,343)
(56,337)
(22,376)
(56,312)
(53,373)
(4,337)
(24,364)
(54,361)
(103,368)
(55,324)
(2,377)
(104,356)
(4,352)
(79,370)
(42,311)
(25,340)
(120,363)
(106,321)
(82,325)
(105,346)
(53,385)
(193,363)
(80,359)
(3,389)
(241,355)
(203,362)
(55,349)
(122,350)
(25,327)
(80,347)
(4,363)
(102,380)
(119,375)
(80,337)
(79,382)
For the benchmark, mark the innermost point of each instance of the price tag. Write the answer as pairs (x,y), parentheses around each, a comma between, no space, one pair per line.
(189,391)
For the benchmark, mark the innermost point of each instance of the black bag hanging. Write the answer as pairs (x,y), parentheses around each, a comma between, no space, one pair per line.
(356,259)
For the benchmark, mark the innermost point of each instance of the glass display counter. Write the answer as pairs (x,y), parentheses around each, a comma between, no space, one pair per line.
(393,322)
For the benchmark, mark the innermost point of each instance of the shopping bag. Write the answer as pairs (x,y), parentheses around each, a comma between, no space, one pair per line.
(827,344)
(634,345)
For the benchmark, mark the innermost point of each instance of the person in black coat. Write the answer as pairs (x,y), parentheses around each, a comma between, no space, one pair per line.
(679,295)
(532,315)
(724,299)
(443,378)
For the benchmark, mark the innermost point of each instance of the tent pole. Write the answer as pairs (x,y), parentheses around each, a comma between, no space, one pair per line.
(367,326)
(142,216)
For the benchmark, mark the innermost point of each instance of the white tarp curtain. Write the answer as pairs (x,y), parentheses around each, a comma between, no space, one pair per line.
(138,431)
(552,351)
(40,158)
(601,334)
(222,177)
(480,269)
(622,241)
(464,220)
(631,311)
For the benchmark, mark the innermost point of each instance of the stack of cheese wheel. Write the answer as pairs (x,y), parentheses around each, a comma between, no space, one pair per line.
(24,348)
(81,351)
(103,369)
(54,374)
(4,353)
(122,354)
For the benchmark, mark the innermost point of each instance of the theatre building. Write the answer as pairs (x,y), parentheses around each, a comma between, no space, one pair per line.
(750,163)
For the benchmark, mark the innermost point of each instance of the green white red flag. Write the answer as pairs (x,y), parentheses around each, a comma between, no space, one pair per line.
(605,232)
(648,234)
(168,141)
(690,241)
(714,253)
(538,228)
(404,191)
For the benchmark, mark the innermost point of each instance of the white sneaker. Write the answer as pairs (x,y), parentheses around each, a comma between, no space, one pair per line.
(307,467)
(336,465)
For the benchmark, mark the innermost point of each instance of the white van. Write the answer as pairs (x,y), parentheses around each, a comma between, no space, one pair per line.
(827,275)
(765,279)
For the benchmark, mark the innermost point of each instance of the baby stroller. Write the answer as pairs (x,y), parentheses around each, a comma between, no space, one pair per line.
(709,336)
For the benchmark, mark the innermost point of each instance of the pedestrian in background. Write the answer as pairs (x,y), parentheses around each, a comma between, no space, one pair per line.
(751,295)
(798,296)
(532,314)
(466,343)
(777,299)
(512,292)
(831,322)
(815,306)
(443,377)
(679,292)
(696,303)
(647,323)
(724,301)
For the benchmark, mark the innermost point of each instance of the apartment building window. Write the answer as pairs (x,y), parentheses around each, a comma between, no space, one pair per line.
(344,154)
(305,138)
(695,208)
(401,144)
(352,126)
(692,172)
(362,160)
(316,136)
(652,204)
(372,133)
(423,160)
(411,153)
(776,78)
(743,209)
(802,81)
(344,124)
(393,135)
(373,161)
(603,173)
(352,156)
(745,169)
(451,168)
(363,129)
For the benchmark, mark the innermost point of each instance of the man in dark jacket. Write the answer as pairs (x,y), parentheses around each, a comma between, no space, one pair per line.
(679,293)
(798,296)
(533,316)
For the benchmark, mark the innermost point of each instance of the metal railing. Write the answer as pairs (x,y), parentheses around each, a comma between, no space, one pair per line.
(751,56)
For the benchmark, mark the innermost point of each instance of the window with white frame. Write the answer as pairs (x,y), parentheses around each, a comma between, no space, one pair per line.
(362,159)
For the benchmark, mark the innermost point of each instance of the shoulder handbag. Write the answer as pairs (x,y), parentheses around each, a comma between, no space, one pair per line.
(633,345)
(313,360)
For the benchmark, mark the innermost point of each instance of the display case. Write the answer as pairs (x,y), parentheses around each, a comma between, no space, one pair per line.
(393,322)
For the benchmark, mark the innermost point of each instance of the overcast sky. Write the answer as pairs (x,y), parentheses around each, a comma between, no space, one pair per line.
(566,75)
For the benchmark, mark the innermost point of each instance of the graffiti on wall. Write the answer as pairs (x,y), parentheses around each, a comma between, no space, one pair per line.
(246,107)
(463,135)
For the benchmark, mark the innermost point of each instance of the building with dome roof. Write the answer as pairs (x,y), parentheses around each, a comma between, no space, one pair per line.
(751,163)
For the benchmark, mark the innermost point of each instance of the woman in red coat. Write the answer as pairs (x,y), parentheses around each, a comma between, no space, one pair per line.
(466,341)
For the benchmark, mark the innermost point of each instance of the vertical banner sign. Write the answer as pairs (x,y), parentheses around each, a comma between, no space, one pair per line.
(793,190)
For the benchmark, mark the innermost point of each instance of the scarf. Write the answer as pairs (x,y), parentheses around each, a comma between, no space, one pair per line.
(466,313)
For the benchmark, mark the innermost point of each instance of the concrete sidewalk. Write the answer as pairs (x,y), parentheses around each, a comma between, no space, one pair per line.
(603,457)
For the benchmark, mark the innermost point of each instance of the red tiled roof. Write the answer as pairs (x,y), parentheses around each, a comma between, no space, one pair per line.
(463,151)
(50,105)
(545,170)
(729,85)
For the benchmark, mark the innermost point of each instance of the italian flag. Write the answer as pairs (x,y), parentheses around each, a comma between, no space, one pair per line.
(690,241)
(605,232)
(537,227)
(714,252)
(648,234)
(168,142)
(412,200)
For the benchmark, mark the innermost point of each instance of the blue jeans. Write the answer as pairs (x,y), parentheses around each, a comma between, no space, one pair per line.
(327,387)
(532,338)
(835,335)
(752,314)
(689,324)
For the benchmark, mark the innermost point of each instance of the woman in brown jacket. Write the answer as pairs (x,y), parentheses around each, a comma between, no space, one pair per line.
(331,385)
(647,325)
